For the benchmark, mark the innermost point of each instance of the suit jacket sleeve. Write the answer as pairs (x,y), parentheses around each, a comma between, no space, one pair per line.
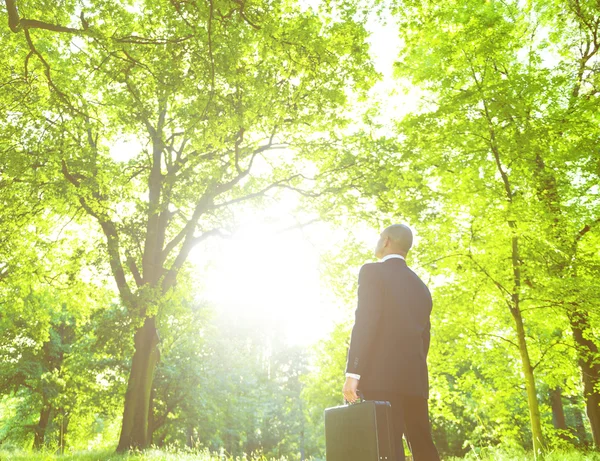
(367,316)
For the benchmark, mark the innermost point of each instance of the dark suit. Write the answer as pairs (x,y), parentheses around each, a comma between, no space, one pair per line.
(388,349)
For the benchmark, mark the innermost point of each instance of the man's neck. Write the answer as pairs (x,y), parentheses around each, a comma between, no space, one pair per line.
(392,256)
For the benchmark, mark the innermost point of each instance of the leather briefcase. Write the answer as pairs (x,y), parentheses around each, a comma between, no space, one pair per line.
(360,432)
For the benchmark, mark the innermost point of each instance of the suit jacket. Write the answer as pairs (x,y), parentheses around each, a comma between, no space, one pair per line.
(390,337)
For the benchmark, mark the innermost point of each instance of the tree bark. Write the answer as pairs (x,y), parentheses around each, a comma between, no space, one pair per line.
(587,350)
(548,192)
(40,430)
(134,429)
(63,429)
(532,401)
(580,431)
(151,415)
(558,413)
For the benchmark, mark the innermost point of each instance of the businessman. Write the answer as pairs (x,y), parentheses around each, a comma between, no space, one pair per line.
(387,358)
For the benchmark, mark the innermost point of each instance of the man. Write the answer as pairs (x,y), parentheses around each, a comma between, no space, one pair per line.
(387,358)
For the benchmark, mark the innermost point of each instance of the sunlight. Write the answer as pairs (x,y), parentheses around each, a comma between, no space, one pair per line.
(266,274)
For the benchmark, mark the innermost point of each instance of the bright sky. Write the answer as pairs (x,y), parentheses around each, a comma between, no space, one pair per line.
(270,275)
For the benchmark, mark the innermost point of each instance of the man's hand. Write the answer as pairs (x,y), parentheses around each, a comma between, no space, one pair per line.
(349,390)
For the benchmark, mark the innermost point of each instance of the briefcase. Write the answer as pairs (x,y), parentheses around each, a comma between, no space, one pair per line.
(360,432)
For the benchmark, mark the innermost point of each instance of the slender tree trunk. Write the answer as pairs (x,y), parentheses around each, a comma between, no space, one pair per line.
(515,308)
(151,415)
(63,429)
(530,386)
(40,430)
(134,430)
(532,400)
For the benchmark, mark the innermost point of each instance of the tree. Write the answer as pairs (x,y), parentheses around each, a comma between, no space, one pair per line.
(207,91)
(497,170)
(49,360)
(499,109)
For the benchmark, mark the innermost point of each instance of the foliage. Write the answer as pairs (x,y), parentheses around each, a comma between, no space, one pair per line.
(131,132)
(496,167)
(244,384)
(205,93)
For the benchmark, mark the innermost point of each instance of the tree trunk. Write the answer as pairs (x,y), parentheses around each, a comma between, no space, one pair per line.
(134,430)
(587,351)
(40,430)
(63,429)
(190,441)
(161,439)
(580,430)
(514,305)
(532,401)
(151,415)
(558,412)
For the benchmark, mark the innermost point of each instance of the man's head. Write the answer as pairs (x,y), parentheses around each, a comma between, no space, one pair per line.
(396,239)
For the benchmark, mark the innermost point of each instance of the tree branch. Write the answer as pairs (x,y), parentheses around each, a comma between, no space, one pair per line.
(112,239)
(242,13)
(544,355)
(476,333)
(299,225)
(585,230)
(4,272)
(498,284)
(134,271)
(188,244)
(206,201)
(16,23)
(151,263)
(151,41)
(60,94)
(204,204)
(211,58)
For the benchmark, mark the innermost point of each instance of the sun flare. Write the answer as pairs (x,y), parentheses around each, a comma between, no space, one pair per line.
(272,276)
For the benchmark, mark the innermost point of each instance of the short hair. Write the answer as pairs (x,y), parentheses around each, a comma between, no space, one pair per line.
(400,235)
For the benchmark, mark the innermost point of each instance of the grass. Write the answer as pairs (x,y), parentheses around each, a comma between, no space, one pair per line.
(490,454)
(110,455)
(494,454)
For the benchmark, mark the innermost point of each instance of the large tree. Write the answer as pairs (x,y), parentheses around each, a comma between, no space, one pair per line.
(204,92)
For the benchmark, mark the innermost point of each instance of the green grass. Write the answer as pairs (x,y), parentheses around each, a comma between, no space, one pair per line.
(493,454)
(109,455)
(490,454)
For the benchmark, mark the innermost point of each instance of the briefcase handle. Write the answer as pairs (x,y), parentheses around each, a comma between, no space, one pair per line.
(361,399)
